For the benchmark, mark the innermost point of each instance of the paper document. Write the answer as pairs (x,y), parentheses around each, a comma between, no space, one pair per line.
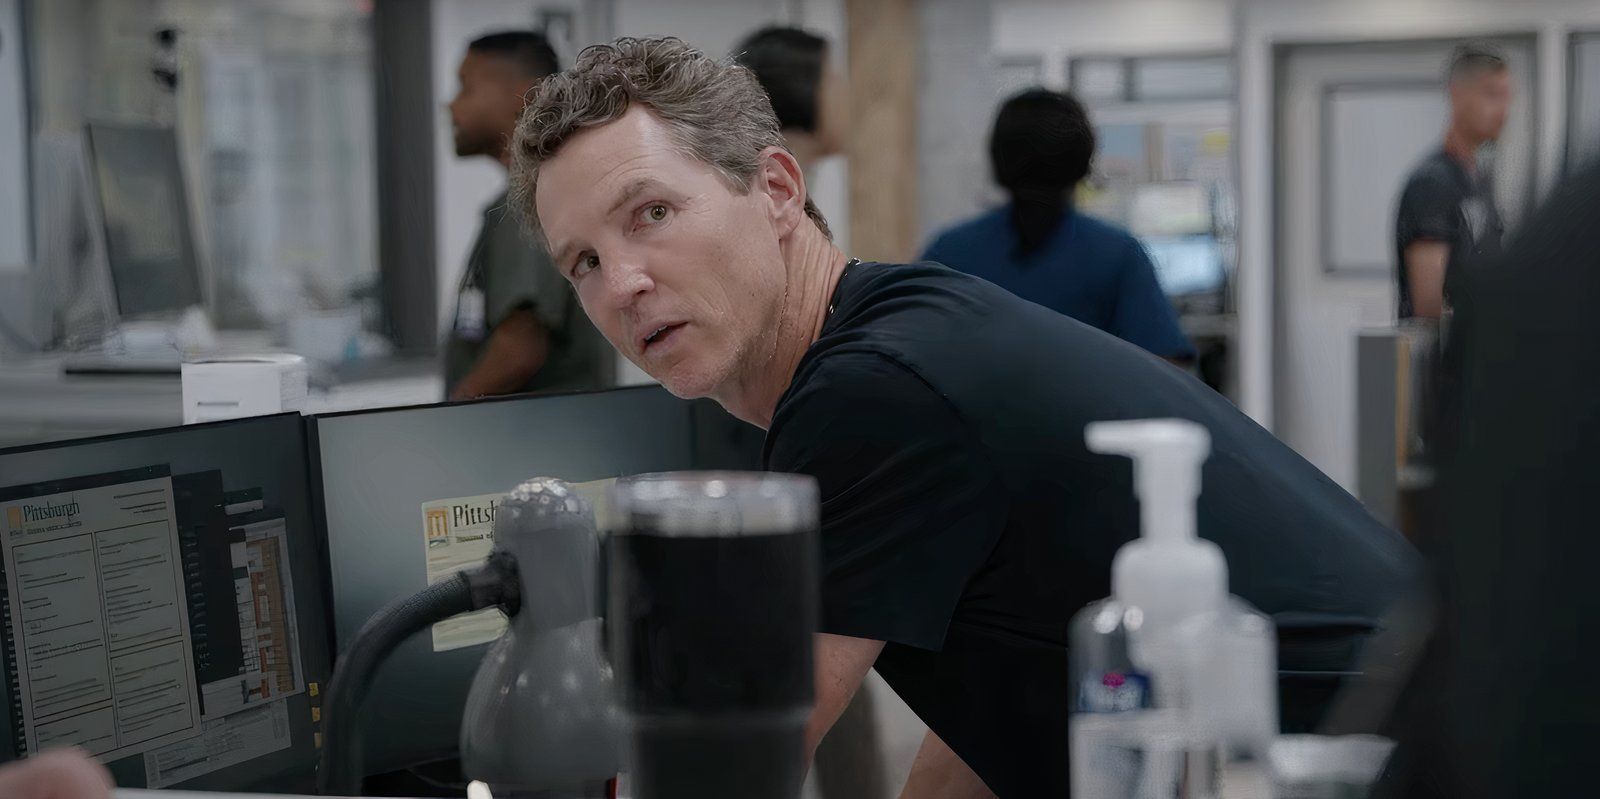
(99,624)
(267,621)
(223,742)
(459,534)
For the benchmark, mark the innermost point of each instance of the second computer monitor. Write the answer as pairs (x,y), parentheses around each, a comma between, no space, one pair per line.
(407,497)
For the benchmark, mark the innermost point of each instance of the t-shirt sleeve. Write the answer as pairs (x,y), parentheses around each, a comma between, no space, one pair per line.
(910,505)
(520,275)
(1143,315)
(1429,211)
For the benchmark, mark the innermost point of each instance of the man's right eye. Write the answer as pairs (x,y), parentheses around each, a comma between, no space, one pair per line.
(587,263)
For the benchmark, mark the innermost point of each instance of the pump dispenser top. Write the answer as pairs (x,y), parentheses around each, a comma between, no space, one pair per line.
(1169,573)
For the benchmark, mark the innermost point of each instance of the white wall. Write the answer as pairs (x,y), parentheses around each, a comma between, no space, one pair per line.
(1061,29)
(955,108)
(1262,24)
(14,216)
(714,26)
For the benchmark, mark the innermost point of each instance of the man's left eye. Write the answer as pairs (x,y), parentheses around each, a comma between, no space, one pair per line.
(655,213)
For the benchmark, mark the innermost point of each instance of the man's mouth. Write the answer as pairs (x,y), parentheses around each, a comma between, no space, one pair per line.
(661,335)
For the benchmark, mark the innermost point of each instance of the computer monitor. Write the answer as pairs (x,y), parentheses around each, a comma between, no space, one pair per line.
(143,205)
(163,605)
(1187,265)
(394,482)
(1174,208)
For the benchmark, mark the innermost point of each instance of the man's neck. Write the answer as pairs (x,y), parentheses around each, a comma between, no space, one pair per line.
(814,266)
(1462,149)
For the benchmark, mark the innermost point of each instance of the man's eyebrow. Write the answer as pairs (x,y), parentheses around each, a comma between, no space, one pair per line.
(630,191)
(559,254)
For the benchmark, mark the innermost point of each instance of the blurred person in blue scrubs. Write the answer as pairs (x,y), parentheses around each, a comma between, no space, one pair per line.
(1042,249)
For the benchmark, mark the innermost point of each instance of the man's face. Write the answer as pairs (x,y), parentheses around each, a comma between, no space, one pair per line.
(485,109)
(1481,103)
(682,273)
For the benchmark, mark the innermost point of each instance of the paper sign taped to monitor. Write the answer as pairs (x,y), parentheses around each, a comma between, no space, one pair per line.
(458,534)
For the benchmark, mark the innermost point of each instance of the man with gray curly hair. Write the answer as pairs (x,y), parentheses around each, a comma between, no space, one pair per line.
(963,519)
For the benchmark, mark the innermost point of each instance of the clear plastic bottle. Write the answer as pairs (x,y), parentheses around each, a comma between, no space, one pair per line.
(1174,681)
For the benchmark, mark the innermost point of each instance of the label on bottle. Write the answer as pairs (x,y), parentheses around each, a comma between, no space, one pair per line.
(1114,692)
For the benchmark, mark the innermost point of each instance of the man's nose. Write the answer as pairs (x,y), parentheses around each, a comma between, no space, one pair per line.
(627,279)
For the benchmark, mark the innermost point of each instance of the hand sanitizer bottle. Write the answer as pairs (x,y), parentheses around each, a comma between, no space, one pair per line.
(1173,679)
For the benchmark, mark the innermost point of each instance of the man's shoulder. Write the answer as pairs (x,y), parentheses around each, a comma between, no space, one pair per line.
(1433,176)
(870,284)
(851,395)
(864,376)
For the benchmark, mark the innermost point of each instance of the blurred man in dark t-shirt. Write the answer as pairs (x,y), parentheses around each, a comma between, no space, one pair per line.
(1506,702)
(1447,212)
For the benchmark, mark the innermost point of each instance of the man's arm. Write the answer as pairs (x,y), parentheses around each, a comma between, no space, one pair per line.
(1425,267)
(516,350)
(938,773)
(842,664)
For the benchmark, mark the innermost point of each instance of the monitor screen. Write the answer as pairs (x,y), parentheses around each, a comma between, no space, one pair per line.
(408,497)
(1187,265)
(163,605)
(144,208)
(1177,208)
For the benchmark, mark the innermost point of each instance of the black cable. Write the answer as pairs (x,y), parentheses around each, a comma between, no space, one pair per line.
(495,584)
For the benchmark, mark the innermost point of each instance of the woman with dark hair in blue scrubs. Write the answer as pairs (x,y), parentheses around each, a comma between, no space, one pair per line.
(1043,250)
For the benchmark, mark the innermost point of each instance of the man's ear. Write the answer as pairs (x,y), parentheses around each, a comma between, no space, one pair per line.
(783,183)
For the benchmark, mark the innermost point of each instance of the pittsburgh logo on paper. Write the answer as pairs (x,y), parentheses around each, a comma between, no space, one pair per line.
(459,521)
(436,524)
(59,516)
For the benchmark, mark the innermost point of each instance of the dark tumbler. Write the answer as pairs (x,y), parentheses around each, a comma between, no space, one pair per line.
(712,581)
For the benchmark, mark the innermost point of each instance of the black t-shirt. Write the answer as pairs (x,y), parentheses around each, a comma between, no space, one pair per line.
(964,520)
(1441,202)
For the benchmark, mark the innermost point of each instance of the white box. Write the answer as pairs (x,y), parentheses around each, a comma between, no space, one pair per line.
(239,386)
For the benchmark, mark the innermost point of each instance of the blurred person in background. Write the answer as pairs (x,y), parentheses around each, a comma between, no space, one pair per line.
(808,96)
(1040,248)
(807,93)
(1506,701)
(1446,212)
(57,774)
(516,325)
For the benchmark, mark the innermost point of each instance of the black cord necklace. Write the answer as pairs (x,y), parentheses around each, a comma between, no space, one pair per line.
(847,265)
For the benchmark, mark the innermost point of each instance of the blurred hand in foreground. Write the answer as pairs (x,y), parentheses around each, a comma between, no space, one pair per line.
(61,774)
